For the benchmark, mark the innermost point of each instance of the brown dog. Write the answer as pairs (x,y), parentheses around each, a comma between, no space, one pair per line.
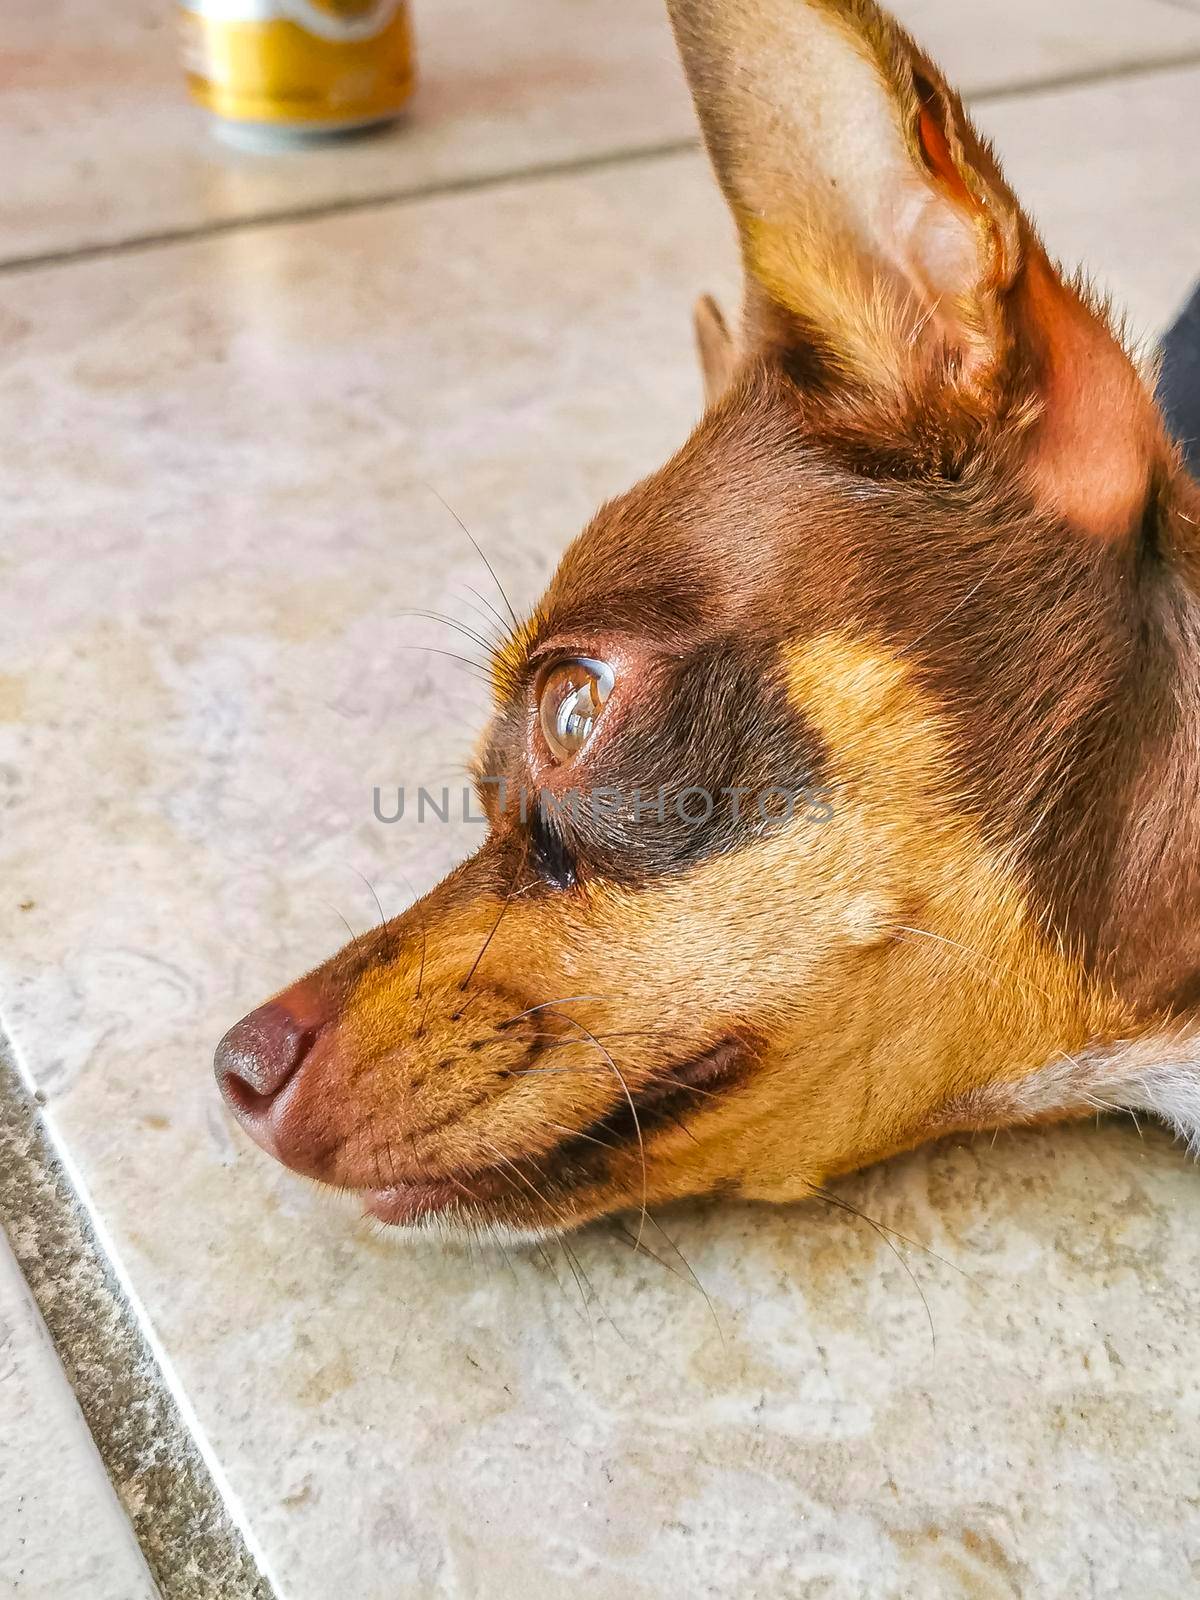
(842,786)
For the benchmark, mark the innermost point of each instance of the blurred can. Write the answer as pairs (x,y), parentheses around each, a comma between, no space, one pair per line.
(279,72)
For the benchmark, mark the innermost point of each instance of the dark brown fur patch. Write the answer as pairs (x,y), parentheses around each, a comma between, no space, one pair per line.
(713,755)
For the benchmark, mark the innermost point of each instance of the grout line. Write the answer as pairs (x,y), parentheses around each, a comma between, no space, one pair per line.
(1084,77)
(170,1484)
(340,208)
(43,1370)
(539,172)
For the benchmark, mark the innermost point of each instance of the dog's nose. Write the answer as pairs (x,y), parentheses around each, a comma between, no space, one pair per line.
(259,1057)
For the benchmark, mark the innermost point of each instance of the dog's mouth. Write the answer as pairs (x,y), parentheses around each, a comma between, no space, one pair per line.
(543,1191)
(404,1204)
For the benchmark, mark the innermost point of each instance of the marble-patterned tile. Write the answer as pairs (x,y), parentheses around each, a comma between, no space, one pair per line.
(99,144)
(221,470)
(63,1534)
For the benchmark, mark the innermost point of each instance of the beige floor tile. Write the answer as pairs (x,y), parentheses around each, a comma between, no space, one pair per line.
(1111,174)
(100,143)
(219,469)
(97,142)
(64,1535)
(995,44)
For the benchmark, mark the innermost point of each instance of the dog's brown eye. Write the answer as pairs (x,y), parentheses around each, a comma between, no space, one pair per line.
(572,697)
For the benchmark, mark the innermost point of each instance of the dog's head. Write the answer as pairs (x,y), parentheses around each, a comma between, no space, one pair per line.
(811,780)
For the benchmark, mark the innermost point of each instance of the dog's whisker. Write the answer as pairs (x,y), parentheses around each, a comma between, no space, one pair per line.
(424,953)
(573,1264)
(466,983)
(623,1233)
(577,1133)
(840,1201)
(450,622)
(476,667)
(639,1247)
(354,937)
(477,547)
(496,629)
(883,1234)
(374,895)
(650,1075)
(501,625)
(637,1123)
(968,950)
(545,1005)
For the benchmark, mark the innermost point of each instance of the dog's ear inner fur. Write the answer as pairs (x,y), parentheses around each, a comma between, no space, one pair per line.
(887,260)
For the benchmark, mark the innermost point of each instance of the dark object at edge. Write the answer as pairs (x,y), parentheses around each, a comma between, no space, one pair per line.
(1179,381)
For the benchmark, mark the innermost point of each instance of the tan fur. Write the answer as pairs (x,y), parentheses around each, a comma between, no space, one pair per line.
(972,992)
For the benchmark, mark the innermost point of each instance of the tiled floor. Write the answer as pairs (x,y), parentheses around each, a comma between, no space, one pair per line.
(64,1532)
(221,468)
(97,144)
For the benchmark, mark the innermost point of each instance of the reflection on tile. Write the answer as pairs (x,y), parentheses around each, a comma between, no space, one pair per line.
(218,467)
(98,143)
(64,1533)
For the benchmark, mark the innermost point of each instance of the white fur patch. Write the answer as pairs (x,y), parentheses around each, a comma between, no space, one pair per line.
(456,1229)
(1159,1075)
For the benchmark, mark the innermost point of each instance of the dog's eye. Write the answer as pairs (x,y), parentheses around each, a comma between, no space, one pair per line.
(571,697)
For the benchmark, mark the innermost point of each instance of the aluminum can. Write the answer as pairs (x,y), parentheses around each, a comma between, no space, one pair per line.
(279,72)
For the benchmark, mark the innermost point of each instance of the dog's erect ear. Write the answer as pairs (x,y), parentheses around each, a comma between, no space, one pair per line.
(868,212)
(887,258)
(715,346)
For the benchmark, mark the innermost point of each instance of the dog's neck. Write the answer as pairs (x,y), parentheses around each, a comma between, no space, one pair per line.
(1151,920)
(1146,936)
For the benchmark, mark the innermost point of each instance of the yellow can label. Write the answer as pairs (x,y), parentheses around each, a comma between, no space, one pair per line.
(312,63)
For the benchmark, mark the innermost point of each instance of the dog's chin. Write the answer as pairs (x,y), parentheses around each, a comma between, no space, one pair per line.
(445,1210)
(428,1200)
(482,1202)
(490,1205)
(406,1205)
(458,1229)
